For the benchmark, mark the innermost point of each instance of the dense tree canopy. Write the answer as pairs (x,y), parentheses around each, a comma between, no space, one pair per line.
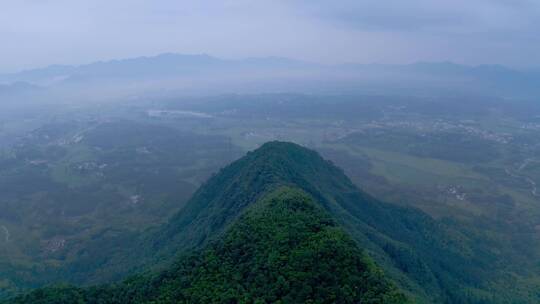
(284,249)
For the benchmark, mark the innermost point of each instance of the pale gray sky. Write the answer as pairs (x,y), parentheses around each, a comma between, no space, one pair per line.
(35,33)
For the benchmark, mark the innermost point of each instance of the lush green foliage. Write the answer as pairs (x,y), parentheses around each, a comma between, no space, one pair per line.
(429,259)
(284,249)
(74,193)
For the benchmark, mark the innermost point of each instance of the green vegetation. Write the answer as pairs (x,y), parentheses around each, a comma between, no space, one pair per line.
(470,167)
(283,249)
(432,261)
(70,190)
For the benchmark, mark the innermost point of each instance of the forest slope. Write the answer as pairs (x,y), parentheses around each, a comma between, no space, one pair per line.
(283,249)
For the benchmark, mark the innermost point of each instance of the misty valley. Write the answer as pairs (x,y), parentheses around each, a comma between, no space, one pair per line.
(91,194)
(269,152)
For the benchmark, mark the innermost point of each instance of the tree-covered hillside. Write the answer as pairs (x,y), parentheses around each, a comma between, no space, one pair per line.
(430,260)
(283,249)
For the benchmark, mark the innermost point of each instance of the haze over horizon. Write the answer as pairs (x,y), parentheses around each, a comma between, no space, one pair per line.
(40,33)
(270,57)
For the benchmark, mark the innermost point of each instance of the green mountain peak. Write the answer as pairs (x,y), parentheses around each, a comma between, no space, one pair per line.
(283,249)
(422,256)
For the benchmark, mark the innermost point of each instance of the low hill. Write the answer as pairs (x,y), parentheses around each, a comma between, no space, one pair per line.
(283,249)
(432,261)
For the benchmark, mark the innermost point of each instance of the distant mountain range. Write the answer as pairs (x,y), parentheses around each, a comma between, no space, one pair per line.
(157,67)
(207,74)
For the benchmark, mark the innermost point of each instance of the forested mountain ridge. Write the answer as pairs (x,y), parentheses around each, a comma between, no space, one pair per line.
(429,259)
(432,259)
(390,233)
(283,249)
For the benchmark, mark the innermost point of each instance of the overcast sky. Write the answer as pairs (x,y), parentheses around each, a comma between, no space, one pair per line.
(35,33)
